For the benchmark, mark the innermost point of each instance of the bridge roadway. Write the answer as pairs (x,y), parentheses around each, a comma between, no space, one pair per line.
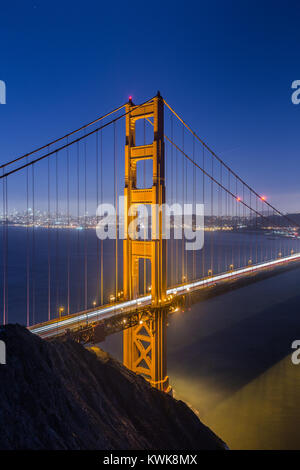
(57,327)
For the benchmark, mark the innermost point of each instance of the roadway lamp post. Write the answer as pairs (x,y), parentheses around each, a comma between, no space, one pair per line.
(60,312)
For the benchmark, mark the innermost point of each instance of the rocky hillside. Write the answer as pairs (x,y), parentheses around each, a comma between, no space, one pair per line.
(59,395)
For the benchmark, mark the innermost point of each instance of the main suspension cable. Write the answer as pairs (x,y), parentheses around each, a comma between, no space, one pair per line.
(64,137)
(68,144)
(226,166)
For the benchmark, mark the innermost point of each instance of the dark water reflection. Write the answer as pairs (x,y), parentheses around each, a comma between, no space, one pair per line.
(230,359)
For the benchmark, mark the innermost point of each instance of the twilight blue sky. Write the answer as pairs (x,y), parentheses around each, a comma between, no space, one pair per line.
(226,66)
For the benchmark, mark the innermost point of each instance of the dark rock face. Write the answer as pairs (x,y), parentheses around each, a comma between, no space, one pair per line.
(59,395)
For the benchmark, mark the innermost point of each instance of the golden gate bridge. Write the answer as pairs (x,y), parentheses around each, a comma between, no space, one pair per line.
(59,278)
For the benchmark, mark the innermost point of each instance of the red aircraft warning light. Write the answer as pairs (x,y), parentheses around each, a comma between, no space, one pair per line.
(238,198)
(263,198)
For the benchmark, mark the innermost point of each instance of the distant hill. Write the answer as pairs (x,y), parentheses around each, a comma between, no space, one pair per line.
(295,217)
(59,395)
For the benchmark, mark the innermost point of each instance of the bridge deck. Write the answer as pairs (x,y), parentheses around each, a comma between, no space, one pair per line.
(57,327)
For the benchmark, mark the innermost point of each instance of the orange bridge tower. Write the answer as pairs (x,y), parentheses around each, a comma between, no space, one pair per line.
(144,345)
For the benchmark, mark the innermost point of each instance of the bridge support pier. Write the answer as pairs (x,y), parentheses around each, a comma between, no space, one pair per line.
(144,345)
(145,349)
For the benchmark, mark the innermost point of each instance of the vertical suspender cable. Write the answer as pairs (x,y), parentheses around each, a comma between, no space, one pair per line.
(194,208)
(244,223)
(97,218)
(203,198)
(176,241)
(221,218)
(186,200)
(4,250)
(261,232)
(212,221)
(56,235)
(251,224)
(172,225)
(183,278)
(27,249)
(68,230)
(116,208)
(256,232)
(231,211)
(48,235)
(238,222)
(85,232)
(101,191)
(219,221)
(33,245)
(78,240)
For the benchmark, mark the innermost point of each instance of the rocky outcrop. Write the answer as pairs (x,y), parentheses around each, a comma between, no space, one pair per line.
(59,395)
